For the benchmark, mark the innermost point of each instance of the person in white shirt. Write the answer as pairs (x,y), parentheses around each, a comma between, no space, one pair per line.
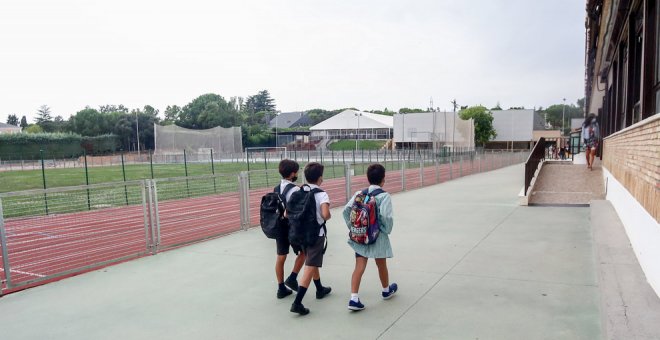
(314,253)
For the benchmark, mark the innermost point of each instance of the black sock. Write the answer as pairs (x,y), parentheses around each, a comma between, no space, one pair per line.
(293,276)
(318,285)
(281,286)
(301,294)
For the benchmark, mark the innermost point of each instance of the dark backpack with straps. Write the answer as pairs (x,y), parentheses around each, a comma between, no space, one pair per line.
(364,226)
(271,213)
(304,229)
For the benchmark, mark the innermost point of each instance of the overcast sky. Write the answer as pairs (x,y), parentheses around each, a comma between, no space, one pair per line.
(369,54)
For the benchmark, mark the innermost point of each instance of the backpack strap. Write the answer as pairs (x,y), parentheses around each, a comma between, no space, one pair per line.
(374,193)
(287,188)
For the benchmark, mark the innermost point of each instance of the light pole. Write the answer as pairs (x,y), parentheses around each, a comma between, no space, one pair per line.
(137,132)
(563,110)
(357,132)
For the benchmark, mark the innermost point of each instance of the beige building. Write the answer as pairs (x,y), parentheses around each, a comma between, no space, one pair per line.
(623,90)
(6,128)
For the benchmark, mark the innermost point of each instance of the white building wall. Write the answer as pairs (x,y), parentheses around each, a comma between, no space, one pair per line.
(642,229)
(513,125)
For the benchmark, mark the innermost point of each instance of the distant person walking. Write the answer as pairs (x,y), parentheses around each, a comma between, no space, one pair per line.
(590,135)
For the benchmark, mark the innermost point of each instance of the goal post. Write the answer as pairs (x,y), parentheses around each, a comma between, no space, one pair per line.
(265,155)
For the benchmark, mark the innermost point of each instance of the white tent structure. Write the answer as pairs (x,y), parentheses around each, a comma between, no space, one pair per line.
(351,124)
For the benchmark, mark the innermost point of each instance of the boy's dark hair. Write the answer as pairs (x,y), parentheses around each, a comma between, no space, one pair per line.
(375,173)
(287,167)
(313,171)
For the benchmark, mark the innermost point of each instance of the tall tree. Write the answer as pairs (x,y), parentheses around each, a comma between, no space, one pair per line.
(208,111)
(261,102)
(44,119)
(113,108)
(24,123)
(12,120)
(171,114)
(554,114)
(483,123)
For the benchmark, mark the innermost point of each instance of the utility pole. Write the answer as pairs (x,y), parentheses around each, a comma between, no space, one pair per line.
(137,132)
(453,134)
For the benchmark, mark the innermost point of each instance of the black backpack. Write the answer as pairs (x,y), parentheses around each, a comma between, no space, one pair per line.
(304,229)
(271,214)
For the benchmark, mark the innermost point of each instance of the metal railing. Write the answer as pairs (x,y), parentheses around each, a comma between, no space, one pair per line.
(532,163)
(48,234)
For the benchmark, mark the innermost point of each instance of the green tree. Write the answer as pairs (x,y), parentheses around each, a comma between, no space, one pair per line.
(12,120)
(171,114)
(555,112)
(90,122)
(497,107)
(34,128)
(483,123)
(260,102)
(208,111)
(24,123)
(145,122)
(44,119)
(408,110)
(113,108)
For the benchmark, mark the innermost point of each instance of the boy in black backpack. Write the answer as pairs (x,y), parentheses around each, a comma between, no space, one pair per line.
(314,242)
(289,171)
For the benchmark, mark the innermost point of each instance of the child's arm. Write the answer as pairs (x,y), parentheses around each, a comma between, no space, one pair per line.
(347,210)
(325,211)
(385,213)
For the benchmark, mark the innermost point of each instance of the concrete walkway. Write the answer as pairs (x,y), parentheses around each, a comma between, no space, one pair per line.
(470,263)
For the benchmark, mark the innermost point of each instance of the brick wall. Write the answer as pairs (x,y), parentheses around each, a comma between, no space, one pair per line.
(633,157)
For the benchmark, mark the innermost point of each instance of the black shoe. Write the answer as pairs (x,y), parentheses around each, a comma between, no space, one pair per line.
(281,294)
(320,294)
(299,308)
(291,283)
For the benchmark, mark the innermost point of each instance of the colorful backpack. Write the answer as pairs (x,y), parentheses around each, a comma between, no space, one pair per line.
(364,227)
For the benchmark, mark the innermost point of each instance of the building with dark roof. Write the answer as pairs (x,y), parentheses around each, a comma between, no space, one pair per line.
(290,120)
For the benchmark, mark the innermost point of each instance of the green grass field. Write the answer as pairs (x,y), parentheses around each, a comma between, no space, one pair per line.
(348,144)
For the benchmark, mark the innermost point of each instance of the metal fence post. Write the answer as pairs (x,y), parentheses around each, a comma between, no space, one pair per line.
(347,180)
(43,175)
(451,166)
(403,174)
(145,214)
(243,192)
(155,227)
(437,170)
(421,173)
(5,253)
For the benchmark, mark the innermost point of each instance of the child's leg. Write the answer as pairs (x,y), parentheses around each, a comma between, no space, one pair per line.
(383,274)
(309,273)
(300,261)
(360,266)
(279,268)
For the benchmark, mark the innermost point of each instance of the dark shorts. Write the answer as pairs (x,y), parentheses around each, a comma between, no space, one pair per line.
(283,245)
(315,253)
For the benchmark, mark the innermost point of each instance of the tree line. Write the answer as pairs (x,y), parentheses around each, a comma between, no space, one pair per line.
(252,114)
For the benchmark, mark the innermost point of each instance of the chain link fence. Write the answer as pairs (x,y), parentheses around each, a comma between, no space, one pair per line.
(47,234)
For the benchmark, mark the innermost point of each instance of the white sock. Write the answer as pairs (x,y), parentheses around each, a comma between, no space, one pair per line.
(386,289)
(354,297)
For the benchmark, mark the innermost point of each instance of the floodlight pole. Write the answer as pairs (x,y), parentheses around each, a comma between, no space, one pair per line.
(357,132)
(137,132)
(563,109)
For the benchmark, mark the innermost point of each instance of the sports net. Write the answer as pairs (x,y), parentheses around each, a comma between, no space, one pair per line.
(175,139)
